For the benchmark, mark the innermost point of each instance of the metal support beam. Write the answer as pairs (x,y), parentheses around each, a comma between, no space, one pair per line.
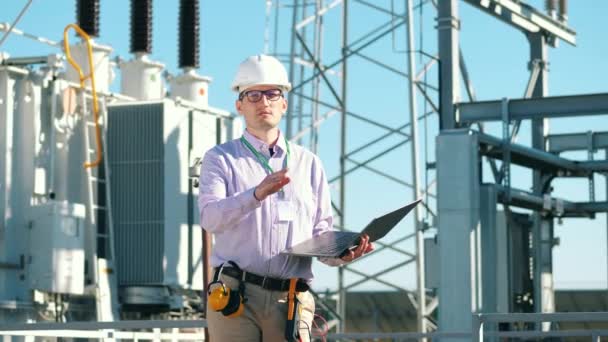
(25,61)
(342,289)
(348,51)
(551,205)
(8,80)
(320,69)
(535,68)
(379,280)
(345,172)
(292,70)
(458,205)
(558,143)
(542,231)
(592,207)
(376,275)
(468,85)
(525,18)
(318,14)
(539,107)
(472,98)
(316,84)
(539,160)
(420,287)
(448,26)
(494,256)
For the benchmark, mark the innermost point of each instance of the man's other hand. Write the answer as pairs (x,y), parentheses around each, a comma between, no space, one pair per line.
(364,247)
(271,184)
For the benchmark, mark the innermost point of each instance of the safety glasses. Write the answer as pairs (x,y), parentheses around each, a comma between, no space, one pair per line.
(256,95)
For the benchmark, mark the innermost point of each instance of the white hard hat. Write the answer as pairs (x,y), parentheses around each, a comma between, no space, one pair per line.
(260,69)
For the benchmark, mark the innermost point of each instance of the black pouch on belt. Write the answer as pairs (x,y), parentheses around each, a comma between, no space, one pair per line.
(292,332)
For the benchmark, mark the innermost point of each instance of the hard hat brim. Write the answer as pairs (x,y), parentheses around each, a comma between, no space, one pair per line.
(241,88)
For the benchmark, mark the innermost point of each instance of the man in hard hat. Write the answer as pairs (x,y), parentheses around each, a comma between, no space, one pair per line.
(258,195)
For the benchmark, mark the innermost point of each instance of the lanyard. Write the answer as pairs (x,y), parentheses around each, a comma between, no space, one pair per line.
(261,158)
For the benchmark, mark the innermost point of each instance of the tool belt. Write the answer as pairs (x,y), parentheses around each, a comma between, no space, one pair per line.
(268,283)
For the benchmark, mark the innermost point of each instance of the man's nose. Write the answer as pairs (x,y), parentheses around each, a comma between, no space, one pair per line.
(264,100)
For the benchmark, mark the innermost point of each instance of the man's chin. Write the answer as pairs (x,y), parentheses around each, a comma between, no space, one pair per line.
(267,125)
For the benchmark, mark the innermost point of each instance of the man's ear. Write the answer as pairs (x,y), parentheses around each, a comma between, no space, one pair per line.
(284,105)
(238,104)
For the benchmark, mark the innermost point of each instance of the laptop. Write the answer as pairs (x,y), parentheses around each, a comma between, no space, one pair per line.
(336,243)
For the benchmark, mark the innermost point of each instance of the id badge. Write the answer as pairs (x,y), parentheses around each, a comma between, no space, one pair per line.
(286,210)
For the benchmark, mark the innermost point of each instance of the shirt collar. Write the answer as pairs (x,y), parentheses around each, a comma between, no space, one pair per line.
(262,147)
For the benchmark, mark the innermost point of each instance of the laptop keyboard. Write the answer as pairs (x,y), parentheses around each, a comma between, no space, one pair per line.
(335,246)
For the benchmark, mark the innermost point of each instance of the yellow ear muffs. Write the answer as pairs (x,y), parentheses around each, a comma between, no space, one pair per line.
(235,306)
(222,298)
(218,298)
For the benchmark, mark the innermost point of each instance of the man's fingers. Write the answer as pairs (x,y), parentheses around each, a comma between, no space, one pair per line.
(281,173)
(279,184)
(348,256)
(281,181)
(275,177)
(273,183)
(362,248)
(363,244)
(370,247)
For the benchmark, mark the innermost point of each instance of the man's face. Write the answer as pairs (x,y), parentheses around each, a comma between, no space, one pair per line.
(263,114)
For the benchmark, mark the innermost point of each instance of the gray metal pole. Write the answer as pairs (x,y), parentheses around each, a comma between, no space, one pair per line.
(300,105)
(292,55)
(448,26)
(316,92)
(415,172)
(458,210)
(542,232)
(342,291)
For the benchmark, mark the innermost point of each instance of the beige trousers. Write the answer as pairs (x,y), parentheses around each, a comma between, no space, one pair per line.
(264,317)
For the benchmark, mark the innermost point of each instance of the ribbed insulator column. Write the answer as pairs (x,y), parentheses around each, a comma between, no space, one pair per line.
(87,16)
(189,34)
(141,26)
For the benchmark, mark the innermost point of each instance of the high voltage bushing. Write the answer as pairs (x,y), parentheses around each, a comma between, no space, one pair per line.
(188,34)
(141,26)
(87,15)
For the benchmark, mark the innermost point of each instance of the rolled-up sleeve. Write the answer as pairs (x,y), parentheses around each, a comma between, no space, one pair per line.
(218,211)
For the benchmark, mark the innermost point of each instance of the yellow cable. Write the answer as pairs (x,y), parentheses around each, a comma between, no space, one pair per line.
(91,75)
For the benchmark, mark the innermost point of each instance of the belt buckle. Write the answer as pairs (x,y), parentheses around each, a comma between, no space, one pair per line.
(264,282)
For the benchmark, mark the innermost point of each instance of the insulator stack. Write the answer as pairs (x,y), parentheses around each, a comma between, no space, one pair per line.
(189,34)
(87,16)
(141,26)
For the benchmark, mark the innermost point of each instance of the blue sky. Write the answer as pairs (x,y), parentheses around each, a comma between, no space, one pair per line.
(496,57)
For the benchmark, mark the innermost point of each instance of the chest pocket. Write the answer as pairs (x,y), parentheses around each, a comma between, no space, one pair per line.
(305,203)
(304,209)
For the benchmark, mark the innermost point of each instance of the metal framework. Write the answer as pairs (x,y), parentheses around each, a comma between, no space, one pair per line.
(542,31)
(323,86)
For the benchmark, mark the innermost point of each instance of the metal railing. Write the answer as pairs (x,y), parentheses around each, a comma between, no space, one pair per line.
(158,330)
(129,330)
(479,320)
